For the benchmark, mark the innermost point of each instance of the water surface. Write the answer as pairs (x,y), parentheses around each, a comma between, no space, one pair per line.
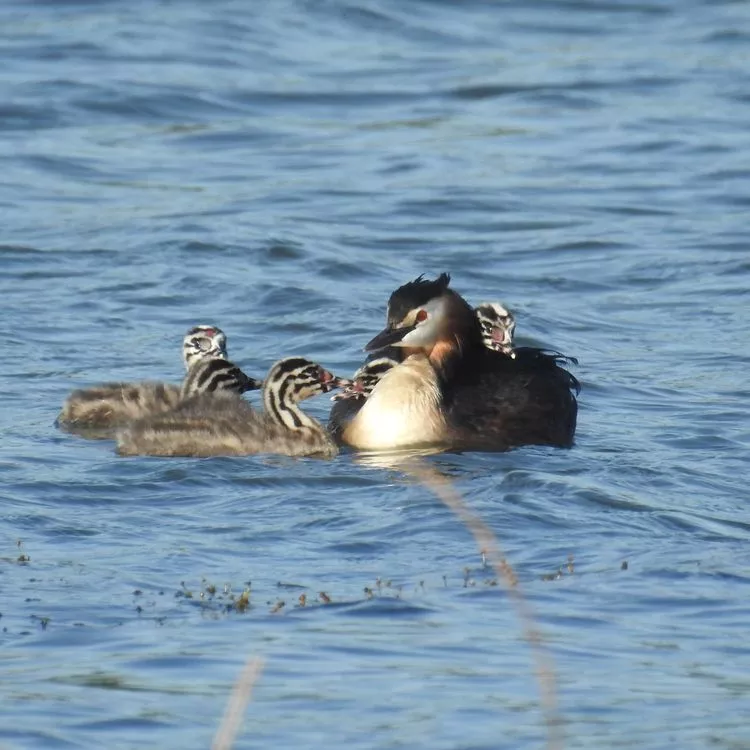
(278,171)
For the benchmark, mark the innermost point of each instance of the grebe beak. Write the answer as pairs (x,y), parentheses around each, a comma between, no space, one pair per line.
(388,337)
(253,384)
(329,382)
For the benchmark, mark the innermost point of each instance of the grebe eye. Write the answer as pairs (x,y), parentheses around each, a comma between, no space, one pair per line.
(421,316)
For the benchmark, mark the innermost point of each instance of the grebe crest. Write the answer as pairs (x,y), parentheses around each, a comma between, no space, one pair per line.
(428,315)
(223,424)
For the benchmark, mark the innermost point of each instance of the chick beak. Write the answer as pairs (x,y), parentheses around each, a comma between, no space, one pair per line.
(253,384)
(347,386)
(329,381)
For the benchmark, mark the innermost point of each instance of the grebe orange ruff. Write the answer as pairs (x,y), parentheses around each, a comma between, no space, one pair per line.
(451,390)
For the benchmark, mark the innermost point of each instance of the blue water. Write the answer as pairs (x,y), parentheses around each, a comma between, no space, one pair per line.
(277,169)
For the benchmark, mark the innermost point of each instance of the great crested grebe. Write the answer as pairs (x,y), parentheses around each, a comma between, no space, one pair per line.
(497,324)
(223,424)
(452,390)
(204,352)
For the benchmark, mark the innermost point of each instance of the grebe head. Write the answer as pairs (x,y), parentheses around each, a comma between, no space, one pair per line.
(295,379)
(498,325)
(416,314)
(203,342)
(428,317)
(367,377)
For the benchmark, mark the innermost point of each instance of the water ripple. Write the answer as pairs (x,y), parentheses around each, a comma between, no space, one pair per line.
(278,170)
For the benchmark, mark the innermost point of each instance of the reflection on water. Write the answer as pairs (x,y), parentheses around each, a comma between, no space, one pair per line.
(398,460)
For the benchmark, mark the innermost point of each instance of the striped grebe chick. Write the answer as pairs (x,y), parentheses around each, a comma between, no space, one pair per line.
(205,355)
(201,343)
(204,351)
(223,424)
(470,397)
(497,325)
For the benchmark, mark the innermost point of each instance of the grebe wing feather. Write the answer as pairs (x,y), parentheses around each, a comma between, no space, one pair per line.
(501,402)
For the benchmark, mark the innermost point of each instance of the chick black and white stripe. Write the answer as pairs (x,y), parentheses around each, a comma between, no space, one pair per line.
(223,424)
(498,325)
(213,375)
(203,342)
(110,405)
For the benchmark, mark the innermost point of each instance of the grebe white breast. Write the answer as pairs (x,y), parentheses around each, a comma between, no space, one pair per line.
(223,424)
(497,324)
(354,393)
(470,398)
(204,351)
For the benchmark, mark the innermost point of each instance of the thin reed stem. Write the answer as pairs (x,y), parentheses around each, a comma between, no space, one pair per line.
(237,705)
(488,543)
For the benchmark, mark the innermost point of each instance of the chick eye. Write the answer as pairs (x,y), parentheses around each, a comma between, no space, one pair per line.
(421,316)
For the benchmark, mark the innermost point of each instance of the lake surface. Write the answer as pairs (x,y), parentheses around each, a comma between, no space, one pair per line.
(278,169)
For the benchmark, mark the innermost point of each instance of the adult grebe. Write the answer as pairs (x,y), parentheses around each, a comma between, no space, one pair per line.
(497,325)
(452,390)
(223,424)
(204,352)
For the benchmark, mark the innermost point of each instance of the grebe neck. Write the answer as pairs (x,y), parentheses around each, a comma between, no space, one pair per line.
(460,339)
(282,408)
